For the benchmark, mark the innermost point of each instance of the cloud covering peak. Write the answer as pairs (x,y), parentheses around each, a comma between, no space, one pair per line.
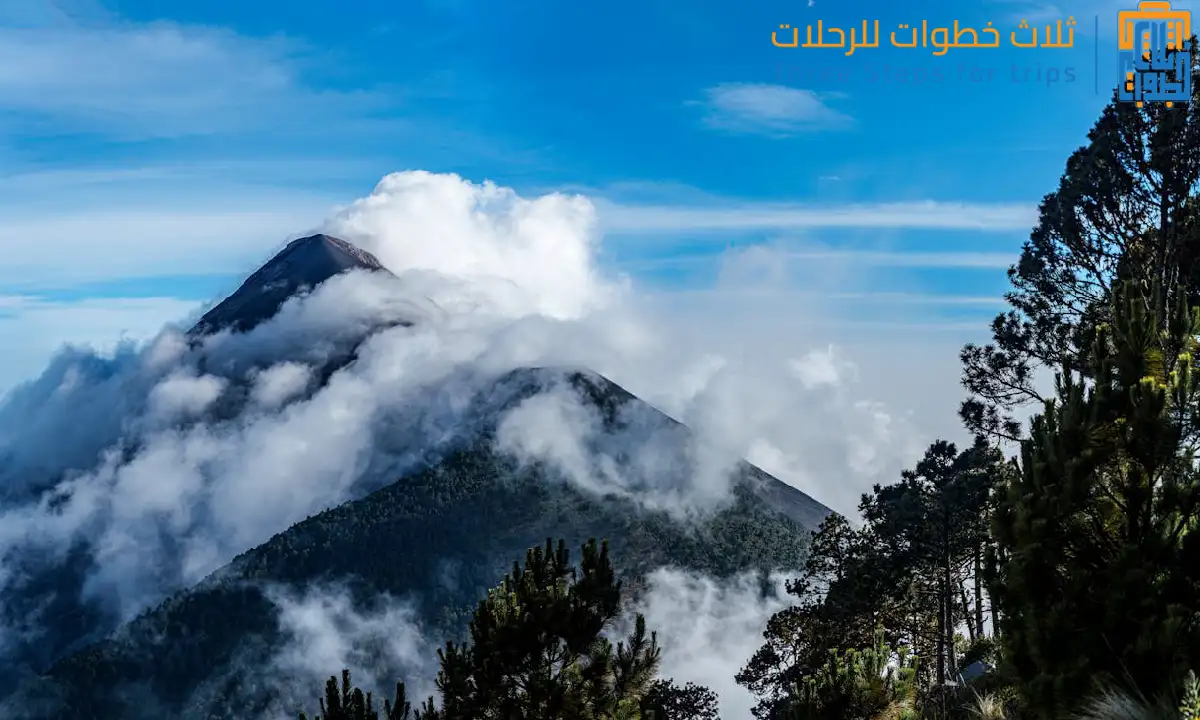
(529,256)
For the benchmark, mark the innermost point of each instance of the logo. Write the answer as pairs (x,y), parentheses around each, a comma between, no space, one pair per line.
(1155,54)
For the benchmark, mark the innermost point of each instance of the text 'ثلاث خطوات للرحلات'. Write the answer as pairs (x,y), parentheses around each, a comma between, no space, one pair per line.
(942,38)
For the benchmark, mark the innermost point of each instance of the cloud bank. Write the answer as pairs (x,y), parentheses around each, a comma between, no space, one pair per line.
(171,458)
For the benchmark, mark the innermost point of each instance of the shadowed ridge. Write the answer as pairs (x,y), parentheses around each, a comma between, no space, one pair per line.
(301,266)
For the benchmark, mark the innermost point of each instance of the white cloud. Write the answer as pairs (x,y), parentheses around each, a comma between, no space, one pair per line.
(820,368)
(492,282)
(709,629)
(280,383)
(184,396)
(483,234)
(325,631)
(864,299)
(859,258)
(775,110)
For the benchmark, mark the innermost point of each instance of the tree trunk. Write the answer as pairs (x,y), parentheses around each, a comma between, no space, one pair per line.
(992,608)
(949,585)
(962,594)
(978,571)
(941,641)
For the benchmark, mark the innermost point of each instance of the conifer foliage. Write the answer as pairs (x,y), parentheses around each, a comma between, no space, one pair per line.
(1102,573)
(538,648)
(1126,208)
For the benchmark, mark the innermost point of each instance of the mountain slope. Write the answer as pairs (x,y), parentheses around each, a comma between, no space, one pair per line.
(442,534)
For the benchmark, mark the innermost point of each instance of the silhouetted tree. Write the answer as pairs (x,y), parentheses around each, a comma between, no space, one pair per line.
(350,703)
(1126,208)
(667,701)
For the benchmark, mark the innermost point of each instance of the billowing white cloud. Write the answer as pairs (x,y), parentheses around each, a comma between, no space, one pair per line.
(533,254)
(707,628)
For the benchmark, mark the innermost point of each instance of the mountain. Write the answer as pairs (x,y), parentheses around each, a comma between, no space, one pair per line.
(441,534)
(301,266)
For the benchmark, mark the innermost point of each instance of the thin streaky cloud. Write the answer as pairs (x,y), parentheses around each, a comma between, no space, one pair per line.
(160,80)
(774,110)
(922,298)
(890,298)
(912,259)
(858,257)
(1001,217)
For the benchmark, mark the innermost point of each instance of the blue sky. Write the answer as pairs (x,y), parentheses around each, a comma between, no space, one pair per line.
(151,152)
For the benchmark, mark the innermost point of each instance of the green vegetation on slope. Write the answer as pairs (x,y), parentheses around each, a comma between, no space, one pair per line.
(441,536)
(537,649)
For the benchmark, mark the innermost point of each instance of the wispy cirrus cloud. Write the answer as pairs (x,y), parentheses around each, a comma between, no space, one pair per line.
(872,258)
(158,80)
(171,220)
(95,244)
(858,298)
(773,110)
(733,215)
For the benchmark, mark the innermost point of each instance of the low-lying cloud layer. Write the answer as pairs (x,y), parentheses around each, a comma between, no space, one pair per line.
(172,458)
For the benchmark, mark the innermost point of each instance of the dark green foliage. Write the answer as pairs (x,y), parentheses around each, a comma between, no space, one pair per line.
(853,684)
(537,650)
(1100,578)
(901,578)
(931,529)
(350,703)
(797,638)
(1125,209)
(667,701)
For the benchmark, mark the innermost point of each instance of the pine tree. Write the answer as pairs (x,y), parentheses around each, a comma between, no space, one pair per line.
(538,649)
(349,703)
(933,525)
(536,646)
(668,701)
(1099,576)
(1127,208)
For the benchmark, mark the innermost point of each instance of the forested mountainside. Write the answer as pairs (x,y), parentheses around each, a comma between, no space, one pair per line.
(443,535)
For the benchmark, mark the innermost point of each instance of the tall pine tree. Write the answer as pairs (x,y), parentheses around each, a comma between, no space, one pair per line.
(1127,208)
(1099,573)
